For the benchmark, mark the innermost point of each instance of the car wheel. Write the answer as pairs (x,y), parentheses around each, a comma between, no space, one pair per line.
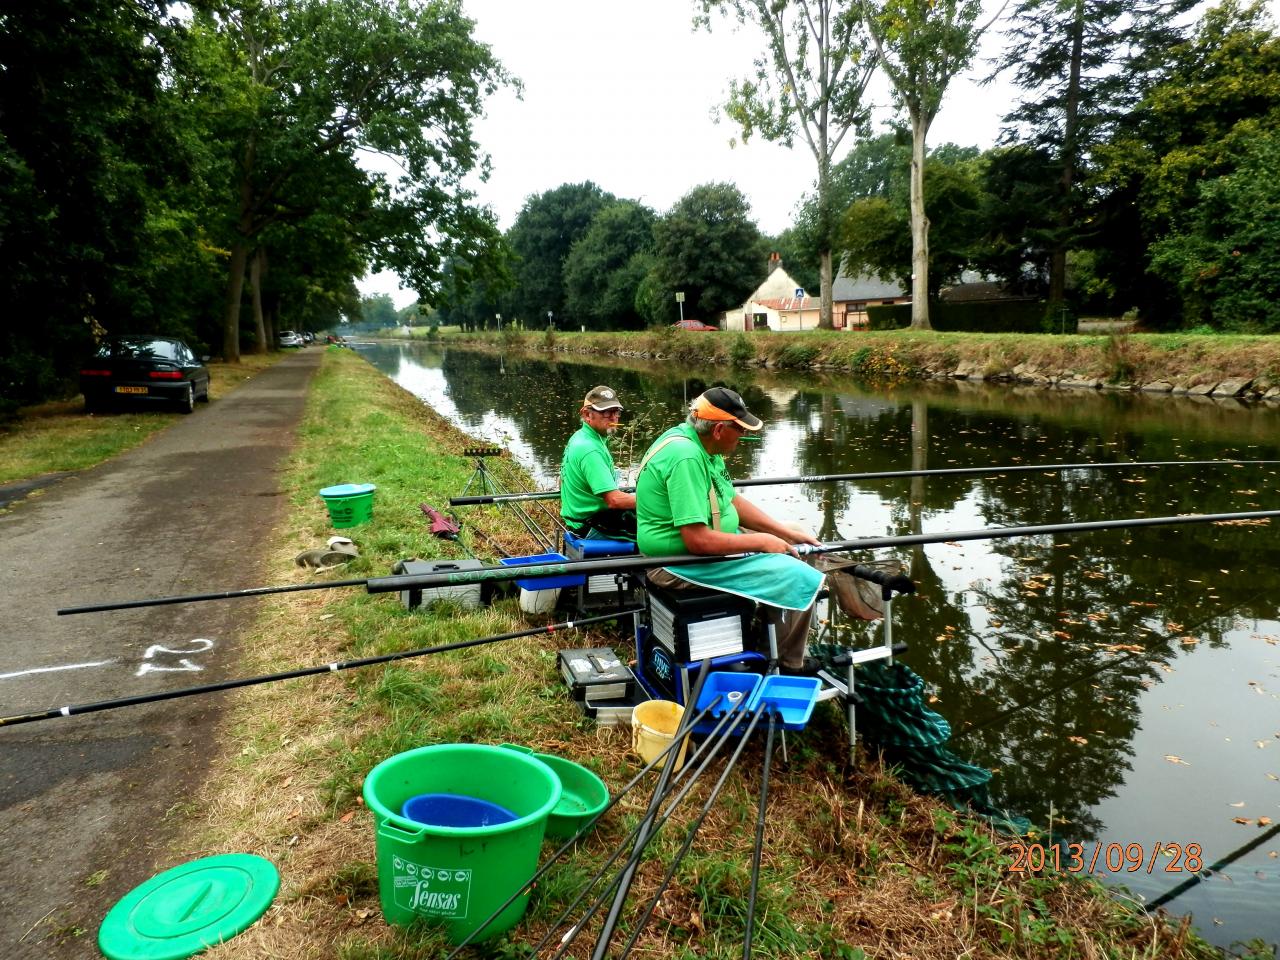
(92,404)
(188,403)
(204,397)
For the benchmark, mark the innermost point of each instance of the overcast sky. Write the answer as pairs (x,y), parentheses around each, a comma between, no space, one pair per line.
(627,95)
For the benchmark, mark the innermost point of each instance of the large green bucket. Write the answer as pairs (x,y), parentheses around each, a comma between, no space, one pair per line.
(458,876)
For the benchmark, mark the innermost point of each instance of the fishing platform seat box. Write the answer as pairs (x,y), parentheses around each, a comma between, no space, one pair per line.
(695,623)
(666,678)
(600,592)
(596,672)
(467,595)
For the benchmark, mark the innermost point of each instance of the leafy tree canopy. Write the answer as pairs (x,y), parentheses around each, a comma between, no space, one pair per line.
(605,266)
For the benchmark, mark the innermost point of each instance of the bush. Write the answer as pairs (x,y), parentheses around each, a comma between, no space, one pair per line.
(742,352)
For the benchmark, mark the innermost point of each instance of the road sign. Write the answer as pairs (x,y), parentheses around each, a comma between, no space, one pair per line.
(799,293)
(680,296)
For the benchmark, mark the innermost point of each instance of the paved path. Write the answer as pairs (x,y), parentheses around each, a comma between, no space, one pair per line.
(83,800)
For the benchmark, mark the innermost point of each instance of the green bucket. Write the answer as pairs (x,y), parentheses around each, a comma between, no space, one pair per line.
(350,504)
(458,876)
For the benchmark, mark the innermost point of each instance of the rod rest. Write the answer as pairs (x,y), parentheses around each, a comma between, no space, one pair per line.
(842,659)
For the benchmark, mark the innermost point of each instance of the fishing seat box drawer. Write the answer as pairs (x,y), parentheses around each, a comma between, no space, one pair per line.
(467,595)
(695,624)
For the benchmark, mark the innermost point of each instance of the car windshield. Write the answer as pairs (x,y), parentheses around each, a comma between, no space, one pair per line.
(141,348)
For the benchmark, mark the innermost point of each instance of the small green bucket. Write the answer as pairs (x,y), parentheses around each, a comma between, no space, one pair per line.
(350,504)
(458,876)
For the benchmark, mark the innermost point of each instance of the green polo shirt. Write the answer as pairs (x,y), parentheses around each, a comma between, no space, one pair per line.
(586,472)
(672,493)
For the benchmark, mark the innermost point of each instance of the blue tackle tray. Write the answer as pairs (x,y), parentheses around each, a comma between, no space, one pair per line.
(552,582)
(792,697)
(735,691)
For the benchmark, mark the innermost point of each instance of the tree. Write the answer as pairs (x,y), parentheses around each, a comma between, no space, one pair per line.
(875,234)
(922,45)
(304,86)
(82,111)
(810,81)
(1084,64)
(1219,92)
(546,229)
(378,311)
(605,266)
(1223,260)
(708,248)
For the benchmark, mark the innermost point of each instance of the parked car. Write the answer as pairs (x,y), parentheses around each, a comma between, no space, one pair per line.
(288,338)
(144,369)
(692,325)
(308,337)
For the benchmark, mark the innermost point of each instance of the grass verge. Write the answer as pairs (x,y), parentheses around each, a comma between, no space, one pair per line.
(59,436)
(855,865)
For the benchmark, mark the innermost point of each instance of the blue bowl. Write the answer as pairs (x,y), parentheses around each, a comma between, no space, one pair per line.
(454,810)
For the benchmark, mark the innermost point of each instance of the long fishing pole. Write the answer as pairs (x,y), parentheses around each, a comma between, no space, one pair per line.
(76,709)
(642,839)
(757,849)
(1200,875)
(416,581)
(711,747)
(586,828)
(689,836)
(697,763)
(465,501)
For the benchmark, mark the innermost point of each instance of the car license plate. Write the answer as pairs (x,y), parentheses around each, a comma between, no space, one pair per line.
(131,389)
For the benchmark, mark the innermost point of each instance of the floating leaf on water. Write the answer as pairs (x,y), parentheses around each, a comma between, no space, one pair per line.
(1240,804)
(1174,759)
(1243,821)
(1264,821)
(1079,740)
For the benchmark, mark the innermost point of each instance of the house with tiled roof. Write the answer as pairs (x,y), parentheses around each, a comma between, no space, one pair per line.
(779,303)
(851,296)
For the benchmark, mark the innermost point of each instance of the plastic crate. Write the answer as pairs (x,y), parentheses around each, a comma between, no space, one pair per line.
(549,582)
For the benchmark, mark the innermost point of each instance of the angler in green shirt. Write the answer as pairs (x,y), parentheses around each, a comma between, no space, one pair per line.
(687,504)
(590,502)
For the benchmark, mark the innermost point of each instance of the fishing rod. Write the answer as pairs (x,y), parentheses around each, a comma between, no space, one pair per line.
(711,746)
(642,838)
(396,583)
(76,709)
(465,501)
(1201,875)
(689,836)
(757,849)
(529,884)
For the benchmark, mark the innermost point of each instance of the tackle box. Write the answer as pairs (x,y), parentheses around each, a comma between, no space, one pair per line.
(549,581)
(614,711)
(596,672)
(466,595)
(696,624)
(667,678)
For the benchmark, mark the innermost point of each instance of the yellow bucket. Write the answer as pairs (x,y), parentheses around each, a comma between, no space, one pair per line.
(653,727)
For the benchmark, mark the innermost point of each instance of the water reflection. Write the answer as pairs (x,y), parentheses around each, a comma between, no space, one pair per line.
(1124,684)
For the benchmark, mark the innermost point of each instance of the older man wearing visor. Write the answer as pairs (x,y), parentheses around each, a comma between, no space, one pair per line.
(687,504)
(590,502)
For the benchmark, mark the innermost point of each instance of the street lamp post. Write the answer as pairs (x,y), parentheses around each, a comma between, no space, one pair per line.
(499,316)
(549,316)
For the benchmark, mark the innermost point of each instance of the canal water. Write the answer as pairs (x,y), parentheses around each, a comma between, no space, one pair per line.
(1124,685)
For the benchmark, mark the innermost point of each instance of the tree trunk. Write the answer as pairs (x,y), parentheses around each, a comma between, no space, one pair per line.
(919,227)
(1066,184)
(235,288)
(255,291)
(825,231)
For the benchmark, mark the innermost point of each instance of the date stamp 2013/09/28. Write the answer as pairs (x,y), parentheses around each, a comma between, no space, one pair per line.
(1161,857)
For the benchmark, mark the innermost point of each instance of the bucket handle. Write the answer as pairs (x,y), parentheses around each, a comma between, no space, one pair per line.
(393,831)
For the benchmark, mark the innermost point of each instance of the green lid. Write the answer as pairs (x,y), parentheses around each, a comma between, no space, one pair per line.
(193,906)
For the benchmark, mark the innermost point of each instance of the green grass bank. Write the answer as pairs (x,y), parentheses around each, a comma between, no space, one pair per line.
(855,865)
(1246,366)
